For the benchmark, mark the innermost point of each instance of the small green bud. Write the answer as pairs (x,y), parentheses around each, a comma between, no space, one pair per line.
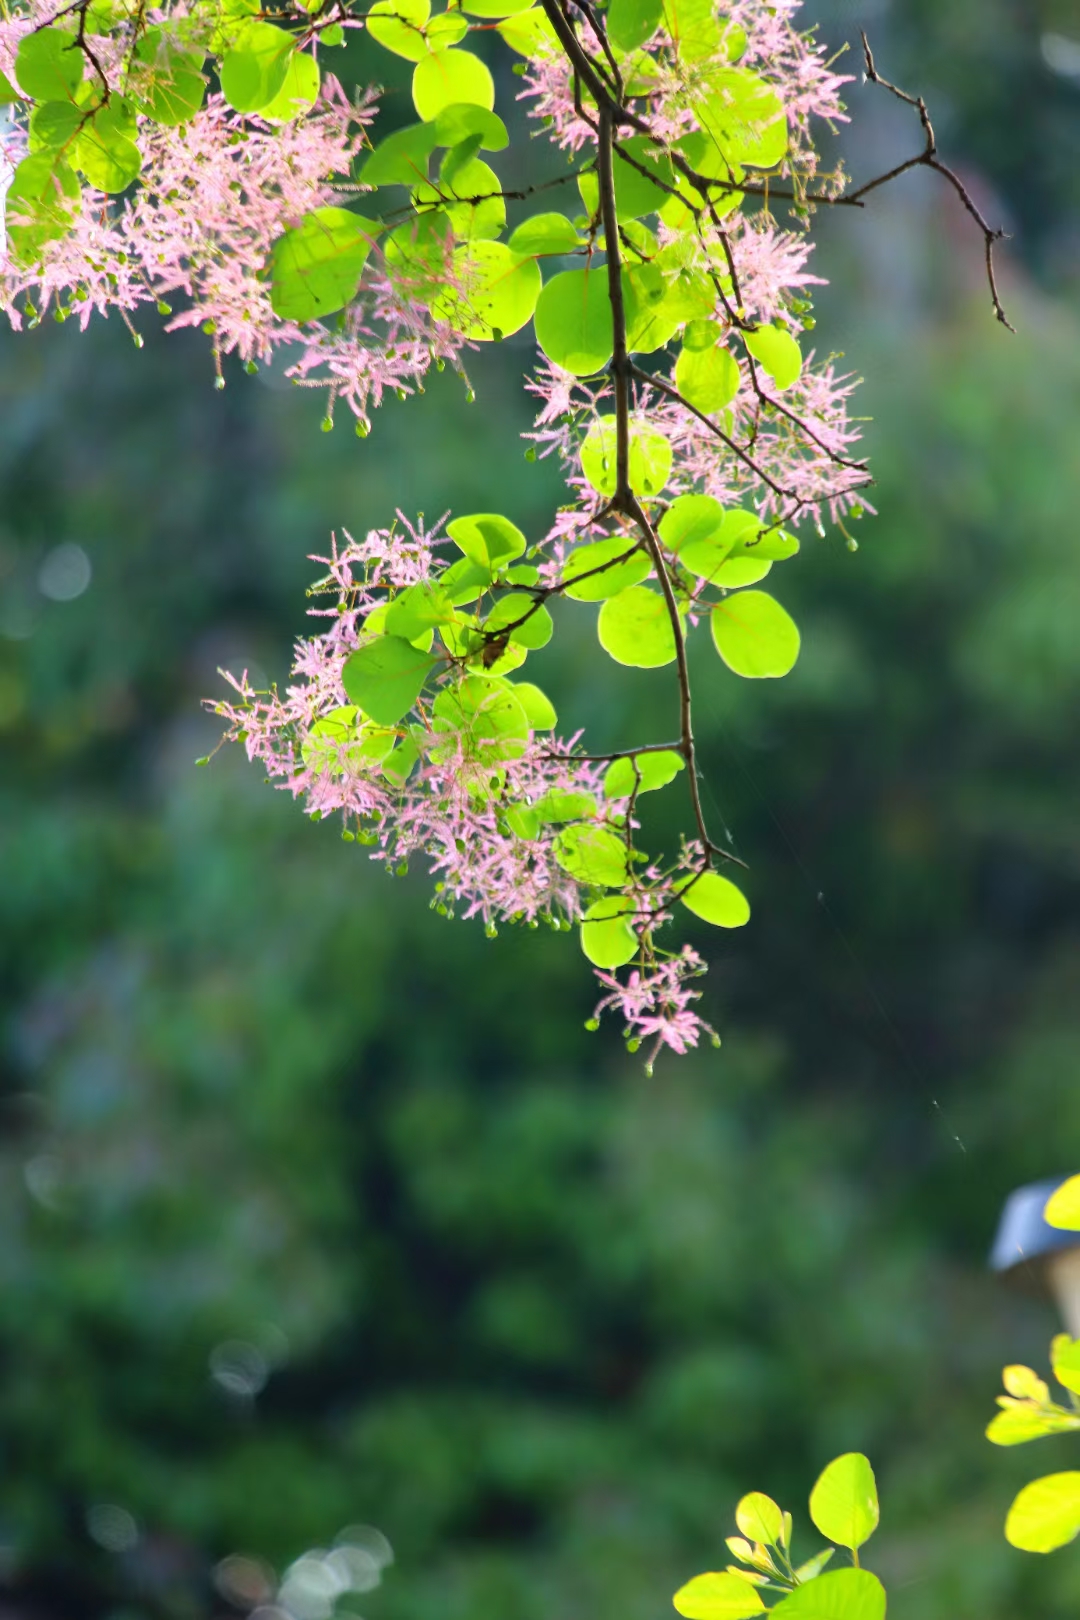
(592,1023)
(219,383)
(530,454)
(209,327)
(251,368)
(163,308)
(327,424)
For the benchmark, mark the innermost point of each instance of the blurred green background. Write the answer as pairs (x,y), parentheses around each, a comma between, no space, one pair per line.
(316,1210)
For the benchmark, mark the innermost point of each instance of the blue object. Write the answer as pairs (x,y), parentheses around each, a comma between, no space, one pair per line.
(1023,1237)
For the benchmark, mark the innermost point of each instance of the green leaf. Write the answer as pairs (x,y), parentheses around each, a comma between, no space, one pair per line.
(397,26)
(499,292)
(544,233)
(1046,1513)
(652,315)
(689,518)
(841,1594)
(461,119)
(416,609)
(41,202)
(488,713)
(487,538)
(465,580)
(814,1566)
(8,92)
(559,805)
(708,557)
(445,78)
(1020,1422)
(573,321)
(167,82)
(539,709)
(496,8)
(417,253)
(631,22)
(298,93)
(254,70)
(536,628)
(777,352)
(597,587)
(1065,1360)
(53,125)
(634,629)
(105,151)
(314,269)
(593,855)
(523,820)
(49,65)
(638,193)
(717,900)
(529,33)
(844,1502)
(1063,1206)
(757,1515)
(607,938)
(341,741)
(481,214)
(448,28)
(398,766)
(694,30)
(401,159)
(653,771)
(649,459)
(716,1596)
(707,378)
(754,636)
(386,677)
(744,118)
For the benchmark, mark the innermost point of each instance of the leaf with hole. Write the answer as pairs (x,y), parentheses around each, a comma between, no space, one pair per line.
(649,460)
(594,855)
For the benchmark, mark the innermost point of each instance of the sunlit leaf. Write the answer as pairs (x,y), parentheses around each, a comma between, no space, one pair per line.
(649,461)
(573,321)
(487,538)
(535,626)
(397,25)
(608,940)
(1046,1514)
(631,22)
(314,269)
(717,1596)
(543,234)
(594,855)
(844,1501)
(254,70)
(754,635)
(539,709)
(635,628)
(653,771)
(49,65)
(603,575)
(777,352)
(1063,1206)
(498,292)
(839,1594)
(445,78)
(385,678)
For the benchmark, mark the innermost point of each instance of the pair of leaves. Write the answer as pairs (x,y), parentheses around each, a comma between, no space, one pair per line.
(843,1594)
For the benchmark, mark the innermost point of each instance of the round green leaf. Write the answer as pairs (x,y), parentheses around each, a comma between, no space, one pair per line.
(105,150)
(694,30)
(298,93)
(653,771)
(777,352)
(573,321)
(53,124)
(717,900)
(653,316)
(401,159)
(254,70)
(609,941)
(754,636)
(481,214)
(496,8)
(385,678)
(314,269)
(341,741)
(414,611)
(461,119)
(397,26)
(593,855)
(1065,1360)
(716,1596)
(499,292)
(613,577)
(539,709)
(638,193)
(707,378)
(708,556)
(536,627)
(757,1515)
(841,1594)
(649,459)
(1046,1513)
(561,805)
(445,77)
(544,233)
(744,118)
(1063,1206)
(631,22)
(447,29)
(634,628)
(42,200)
(530,33)
(167,83)
(690,517)
(49,65)
(844,1502)
(487,538)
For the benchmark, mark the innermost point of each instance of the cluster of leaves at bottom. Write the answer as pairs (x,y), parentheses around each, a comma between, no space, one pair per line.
(844,1507)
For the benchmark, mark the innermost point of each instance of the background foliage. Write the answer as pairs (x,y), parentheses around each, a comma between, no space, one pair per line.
(539,1319)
